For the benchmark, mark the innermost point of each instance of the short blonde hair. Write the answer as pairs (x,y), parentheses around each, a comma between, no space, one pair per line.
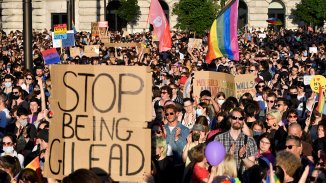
(228,167)
(160,142)
(288,161)
(275,114)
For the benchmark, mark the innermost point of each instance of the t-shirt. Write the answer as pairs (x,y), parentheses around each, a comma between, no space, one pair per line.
(199,174)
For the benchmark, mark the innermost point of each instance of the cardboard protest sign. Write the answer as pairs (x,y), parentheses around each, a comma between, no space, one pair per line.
(244,83)
(97,31)
(99,121)
(105,39)
(221,82)
(74,52)
(51,56)
(92,50)
(70,41)
(94,29)
(195,43)
(60,31)
(214,82)
(316,81)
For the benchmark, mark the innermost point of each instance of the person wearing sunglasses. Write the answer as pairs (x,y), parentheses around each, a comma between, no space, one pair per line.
(9,146)
(294,145)
(292,117)
(176,138)
(282,105)
(237,143)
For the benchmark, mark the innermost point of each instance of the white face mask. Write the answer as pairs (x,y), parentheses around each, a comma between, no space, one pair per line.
(198,112)
(23,123)
(220,101)
(8,149)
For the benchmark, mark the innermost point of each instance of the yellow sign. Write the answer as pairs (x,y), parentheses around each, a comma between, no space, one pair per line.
(316,81)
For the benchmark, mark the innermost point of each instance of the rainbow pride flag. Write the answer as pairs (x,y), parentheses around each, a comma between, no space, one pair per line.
(223,37)
(34,164)
(321,101)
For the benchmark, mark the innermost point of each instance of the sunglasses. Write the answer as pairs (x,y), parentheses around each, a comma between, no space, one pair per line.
(270,101)
(295,116)
(239,118)
(6,143)
(164,92)
(261,86)
(15,93)
(289,146)
(278,105)
(171,114)
(28,78)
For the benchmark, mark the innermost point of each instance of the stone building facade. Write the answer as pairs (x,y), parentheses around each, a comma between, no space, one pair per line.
(49,12)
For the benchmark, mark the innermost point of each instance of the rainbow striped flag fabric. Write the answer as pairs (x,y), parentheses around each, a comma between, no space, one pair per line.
(321,101)
(223,37)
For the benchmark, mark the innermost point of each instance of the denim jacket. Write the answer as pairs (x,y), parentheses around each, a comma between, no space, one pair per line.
(177,146)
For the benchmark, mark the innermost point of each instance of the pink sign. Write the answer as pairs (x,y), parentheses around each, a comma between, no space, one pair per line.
(103,24)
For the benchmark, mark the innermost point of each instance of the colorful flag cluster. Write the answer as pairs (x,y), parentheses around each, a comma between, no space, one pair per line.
(223,37)
(158,19)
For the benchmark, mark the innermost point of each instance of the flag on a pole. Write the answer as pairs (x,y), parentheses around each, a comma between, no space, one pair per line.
(223,37)
(160,24)
(36,166)
(51,56)
(321,101)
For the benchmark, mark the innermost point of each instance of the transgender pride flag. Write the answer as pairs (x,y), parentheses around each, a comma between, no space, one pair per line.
(223,39)
(51,56)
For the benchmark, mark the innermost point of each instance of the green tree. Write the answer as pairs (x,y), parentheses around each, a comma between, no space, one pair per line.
(129,11)
(312,12)
(195,15)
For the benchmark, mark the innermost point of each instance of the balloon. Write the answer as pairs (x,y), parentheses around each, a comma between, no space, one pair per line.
(215,153)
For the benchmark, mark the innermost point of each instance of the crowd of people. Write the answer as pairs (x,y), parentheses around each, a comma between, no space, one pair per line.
(273,136)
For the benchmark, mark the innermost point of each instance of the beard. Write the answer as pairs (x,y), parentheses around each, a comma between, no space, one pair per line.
(236,126)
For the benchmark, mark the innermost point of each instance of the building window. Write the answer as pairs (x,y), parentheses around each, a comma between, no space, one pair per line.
(58,18)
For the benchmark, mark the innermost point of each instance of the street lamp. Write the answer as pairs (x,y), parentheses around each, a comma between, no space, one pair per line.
(27,32)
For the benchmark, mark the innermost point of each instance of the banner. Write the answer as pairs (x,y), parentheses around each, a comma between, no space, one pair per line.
(92,50)
(244,83)
(56,42)
(103,24)
(316,81)
(74,52)
(70,41)
(50,56)
(221,82)
(100,120)
(60,31)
